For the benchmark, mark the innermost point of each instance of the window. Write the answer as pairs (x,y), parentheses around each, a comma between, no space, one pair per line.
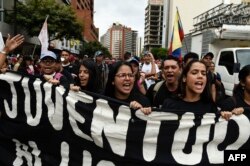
(243,57)
(227,60)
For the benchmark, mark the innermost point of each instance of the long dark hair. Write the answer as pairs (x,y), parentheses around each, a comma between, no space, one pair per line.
(109,90)
(94,80)
(244,72)
(206,94)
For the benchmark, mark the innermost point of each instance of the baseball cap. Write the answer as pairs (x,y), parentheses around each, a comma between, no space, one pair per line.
(133,60)
(48,54)
(209,54)
(98,53)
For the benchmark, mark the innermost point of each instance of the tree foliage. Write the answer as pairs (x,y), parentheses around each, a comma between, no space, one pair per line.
(159,53)
(62,21)
(91,47)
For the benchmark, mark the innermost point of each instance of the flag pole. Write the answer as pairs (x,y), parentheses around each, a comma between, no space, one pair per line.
(182,26)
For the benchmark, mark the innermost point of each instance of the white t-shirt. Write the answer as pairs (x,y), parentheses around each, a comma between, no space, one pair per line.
(146,68)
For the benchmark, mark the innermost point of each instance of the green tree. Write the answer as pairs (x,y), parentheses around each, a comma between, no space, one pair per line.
(91,47)
(62,21)
(159,53)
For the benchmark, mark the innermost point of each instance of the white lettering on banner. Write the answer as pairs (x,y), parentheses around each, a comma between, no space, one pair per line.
(115,131)
(24,153)
(81,96)
(87,158)
(64,154)
(243,135)
(152,131)
(202,136)
(106,163)
(56,115)
(220,131)
(36,152)
(74,117)
(180,139)
(11,111)
(30,120)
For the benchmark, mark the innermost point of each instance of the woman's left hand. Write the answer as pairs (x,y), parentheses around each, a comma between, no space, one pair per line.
(238,111)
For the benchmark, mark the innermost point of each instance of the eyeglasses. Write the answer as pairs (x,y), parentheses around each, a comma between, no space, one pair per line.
(124,75)
(50,61)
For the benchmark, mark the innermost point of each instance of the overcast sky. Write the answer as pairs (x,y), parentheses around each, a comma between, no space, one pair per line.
(127,12)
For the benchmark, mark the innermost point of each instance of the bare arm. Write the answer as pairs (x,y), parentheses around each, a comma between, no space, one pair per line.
(10,45)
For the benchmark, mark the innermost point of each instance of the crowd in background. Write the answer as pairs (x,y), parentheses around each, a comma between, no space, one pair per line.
(190,84)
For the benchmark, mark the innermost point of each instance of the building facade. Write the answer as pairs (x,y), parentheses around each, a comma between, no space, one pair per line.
(153,24)
(120,39)
(85,13)
(188,11)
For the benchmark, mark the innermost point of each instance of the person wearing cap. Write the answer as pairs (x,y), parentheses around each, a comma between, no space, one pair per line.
(103,68)
(11,44)
(139,84)
(150,69)
(48,70)
(207,59)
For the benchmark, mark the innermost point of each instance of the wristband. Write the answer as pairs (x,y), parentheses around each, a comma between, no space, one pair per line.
(3,52)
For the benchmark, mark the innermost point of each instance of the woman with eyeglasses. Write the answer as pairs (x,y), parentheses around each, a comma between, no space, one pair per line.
(120,86)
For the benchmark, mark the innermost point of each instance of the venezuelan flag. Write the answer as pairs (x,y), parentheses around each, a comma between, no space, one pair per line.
(177,37)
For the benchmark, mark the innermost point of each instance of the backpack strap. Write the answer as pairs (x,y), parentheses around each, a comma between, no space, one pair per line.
(157,87)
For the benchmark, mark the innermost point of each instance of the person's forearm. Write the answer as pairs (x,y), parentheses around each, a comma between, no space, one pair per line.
(3,55)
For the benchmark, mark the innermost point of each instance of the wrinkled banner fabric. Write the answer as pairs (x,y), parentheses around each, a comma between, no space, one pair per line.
(42,124)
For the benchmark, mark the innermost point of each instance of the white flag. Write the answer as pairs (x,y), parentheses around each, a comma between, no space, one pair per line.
(43,36)
(1,42)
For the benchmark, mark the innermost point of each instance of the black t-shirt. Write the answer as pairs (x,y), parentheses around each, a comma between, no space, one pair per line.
(235,102)
(68,76)
(178,104)
(70,68)
(137,97)
(160,95)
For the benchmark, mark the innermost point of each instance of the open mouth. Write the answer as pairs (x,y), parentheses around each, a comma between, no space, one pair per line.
(199,85)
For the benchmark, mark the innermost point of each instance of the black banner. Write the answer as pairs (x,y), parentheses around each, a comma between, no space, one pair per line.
(42,124)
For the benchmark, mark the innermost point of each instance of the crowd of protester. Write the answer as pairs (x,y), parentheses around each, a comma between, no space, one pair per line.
(144,83)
